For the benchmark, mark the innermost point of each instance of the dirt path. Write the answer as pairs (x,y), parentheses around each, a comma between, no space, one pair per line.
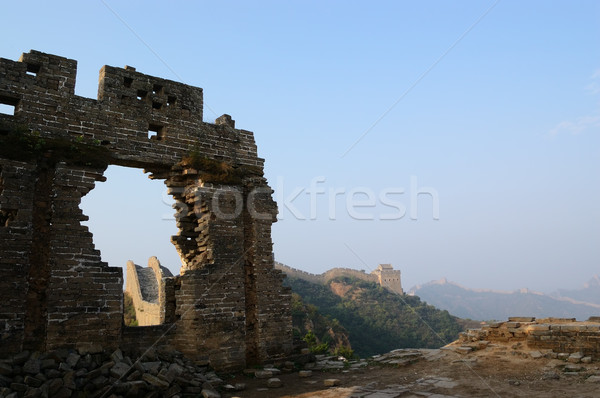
(496,371)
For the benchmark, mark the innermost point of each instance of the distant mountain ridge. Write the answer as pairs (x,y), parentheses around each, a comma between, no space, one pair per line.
(590,293)
(483,304)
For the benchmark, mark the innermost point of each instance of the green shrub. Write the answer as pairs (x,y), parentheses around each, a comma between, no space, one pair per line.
(322,348)
(345,352)
(129,318)
(313,344)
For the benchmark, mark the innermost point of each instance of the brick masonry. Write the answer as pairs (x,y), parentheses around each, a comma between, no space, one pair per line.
(228,305)
(561,335)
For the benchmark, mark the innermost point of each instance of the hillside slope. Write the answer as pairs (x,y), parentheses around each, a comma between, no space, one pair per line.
(306,318)
(590,293)
(378,321)
(487,305)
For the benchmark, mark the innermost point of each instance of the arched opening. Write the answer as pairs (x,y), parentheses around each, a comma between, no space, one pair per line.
(131,218)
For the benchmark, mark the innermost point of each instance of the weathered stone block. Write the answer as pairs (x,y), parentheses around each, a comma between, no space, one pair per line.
(521,319)
(536,354)
(575,357)
(32,366)
(331,382)
(305,373)
(119,370)
(274,382)
(263,374)
(155,381)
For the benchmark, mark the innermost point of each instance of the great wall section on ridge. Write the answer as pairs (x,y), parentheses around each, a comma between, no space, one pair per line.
(384,275)
(228,307)
(147,288)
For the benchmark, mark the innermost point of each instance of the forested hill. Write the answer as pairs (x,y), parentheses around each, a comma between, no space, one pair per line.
(376,320)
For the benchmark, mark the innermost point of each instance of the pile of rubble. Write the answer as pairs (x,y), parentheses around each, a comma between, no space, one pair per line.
(89,372)
(562,338)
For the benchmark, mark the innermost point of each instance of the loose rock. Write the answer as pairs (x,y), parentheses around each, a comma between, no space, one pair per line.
(263,374)
(274,382)
(331,382)
(305,373)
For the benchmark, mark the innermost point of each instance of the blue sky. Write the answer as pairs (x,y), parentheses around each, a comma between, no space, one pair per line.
(493,106)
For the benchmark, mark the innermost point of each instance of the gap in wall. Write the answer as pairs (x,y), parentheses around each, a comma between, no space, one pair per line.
(131,218)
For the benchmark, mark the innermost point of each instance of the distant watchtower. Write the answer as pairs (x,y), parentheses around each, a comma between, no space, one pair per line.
(389,278)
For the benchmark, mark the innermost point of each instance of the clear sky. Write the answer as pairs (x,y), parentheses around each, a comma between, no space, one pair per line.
(490,109)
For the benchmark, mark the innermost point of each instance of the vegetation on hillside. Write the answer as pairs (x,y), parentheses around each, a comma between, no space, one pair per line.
(376,320)
(129,318)
(322,334)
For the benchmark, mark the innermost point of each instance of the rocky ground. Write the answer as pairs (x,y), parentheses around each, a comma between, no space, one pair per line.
(455,371)
(474,370)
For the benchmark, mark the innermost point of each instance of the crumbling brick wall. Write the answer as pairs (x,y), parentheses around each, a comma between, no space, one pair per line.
(228,305)
(16,236)
(561,335)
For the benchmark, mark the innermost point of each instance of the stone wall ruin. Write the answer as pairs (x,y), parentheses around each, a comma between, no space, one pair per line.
(228,305)
(554,336)
(148,287)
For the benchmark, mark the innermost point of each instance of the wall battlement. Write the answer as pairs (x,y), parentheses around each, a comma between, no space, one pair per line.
(227,306)
(143,120)
(384,275)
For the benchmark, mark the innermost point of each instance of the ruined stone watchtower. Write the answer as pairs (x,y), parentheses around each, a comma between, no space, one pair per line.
(228,305)
(389,278)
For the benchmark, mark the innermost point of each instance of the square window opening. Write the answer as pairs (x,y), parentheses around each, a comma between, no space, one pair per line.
(141,94)
(156,132)
(127,81)
(185,110)
(6,109)
(171,99)
(157,89)
(156,105)
(8,106)
(33,70)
